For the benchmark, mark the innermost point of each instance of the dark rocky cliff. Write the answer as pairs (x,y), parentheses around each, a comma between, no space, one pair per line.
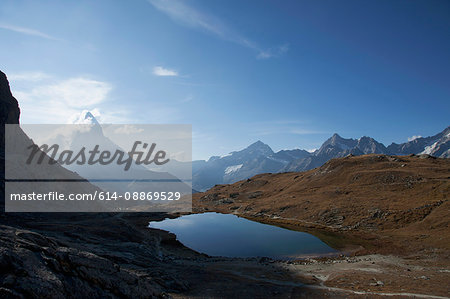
(9,108)
(9,114)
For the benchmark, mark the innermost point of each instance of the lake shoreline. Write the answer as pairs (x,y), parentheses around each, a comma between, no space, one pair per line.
(354,274)
(246,238)
(357,273)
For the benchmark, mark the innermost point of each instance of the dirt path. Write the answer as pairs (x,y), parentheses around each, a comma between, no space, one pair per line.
(358,277)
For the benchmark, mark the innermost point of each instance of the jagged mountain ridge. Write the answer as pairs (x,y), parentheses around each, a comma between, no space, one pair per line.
(437,145)
(239,165)
(260,158)
(337,147)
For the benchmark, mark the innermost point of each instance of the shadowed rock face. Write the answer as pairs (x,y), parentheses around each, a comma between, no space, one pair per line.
(35,265)
(9,108)
(9,114)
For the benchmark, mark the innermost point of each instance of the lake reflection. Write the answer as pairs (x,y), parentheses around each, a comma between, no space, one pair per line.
(231,236)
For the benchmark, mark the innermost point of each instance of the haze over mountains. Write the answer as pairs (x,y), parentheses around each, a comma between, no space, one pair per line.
(260,158)
(113,176)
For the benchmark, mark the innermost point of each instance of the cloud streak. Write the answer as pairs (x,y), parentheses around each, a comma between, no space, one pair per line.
(27,31)
(273,52)
(163,72)
(188,16)
(414,137)
(28,76)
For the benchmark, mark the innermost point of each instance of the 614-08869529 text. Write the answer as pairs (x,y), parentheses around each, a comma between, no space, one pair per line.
(107,196)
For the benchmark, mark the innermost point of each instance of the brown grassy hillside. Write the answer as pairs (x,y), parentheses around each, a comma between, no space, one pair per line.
(396,199)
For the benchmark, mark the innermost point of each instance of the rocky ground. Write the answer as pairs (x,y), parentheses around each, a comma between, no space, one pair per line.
(115,255)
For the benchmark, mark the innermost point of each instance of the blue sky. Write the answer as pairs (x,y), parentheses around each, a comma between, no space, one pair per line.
(289,73)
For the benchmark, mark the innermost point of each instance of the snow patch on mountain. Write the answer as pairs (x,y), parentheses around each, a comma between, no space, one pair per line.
(233,168)
(429,149)
(414,137)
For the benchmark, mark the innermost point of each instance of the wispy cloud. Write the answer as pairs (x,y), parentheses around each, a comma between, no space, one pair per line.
(50,100)
(277,127)
(28,76)
(191,17)
(414,137)
(276,130)
(163,72)
(302,131)
(187,99)
(273,52)
(27,31)
(282,122)
(128,130)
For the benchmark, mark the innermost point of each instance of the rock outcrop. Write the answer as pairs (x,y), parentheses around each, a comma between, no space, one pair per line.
(9,108)
(9,114)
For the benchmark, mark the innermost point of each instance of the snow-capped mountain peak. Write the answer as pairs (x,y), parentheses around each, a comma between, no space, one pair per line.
(88,117)
(85,118)
(437,145)
(337,141)
(260,148)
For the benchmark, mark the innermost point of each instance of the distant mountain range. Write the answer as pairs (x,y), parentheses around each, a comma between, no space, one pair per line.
(260,158)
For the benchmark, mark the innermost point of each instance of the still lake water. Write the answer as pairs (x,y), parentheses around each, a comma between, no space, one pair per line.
(231,236)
